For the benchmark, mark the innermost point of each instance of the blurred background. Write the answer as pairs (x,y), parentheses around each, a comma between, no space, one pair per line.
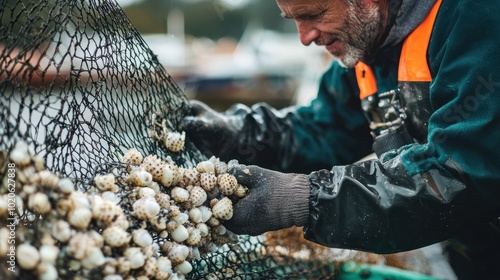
(227,51)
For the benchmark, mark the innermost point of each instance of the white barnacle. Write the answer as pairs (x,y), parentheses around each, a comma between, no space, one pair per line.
(105,182)
(174,141)
(194,238)
(142,237)
(115,236)
(135,257)
(208,181)
(150,267)
(195,215)
(48,179)
(190,176)
(48,253)
(205,167)
(113,277)
(241,191)
(194,253)
(184,268)
(159,222)
(220,167)
(181,218)
(20,154)
(49,272)
(66,186)
(104,210)
(173,211)
(213,222)
(121,221)
(80,244)
(78,199)
(155,249)
(124,266)
(171,226)
(27,256)
(223,209)
(97,238)
(203,228)
(140,177)
(39,202)
(168,175)
(94,258)
(164,268)
(80,217)
(163,200)
(198,196)
(132,156)
(227,184)
(179,194)
(178,253)
(146,208)
(180,233)
(206,213)
(146,192)
(61,231)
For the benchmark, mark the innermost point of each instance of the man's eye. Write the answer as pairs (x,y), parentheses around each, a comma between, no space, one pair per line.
(316,16)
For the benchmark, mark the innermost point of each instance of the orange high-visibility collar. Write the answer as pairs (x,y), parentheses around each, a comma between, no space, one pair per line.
(366,80)
(413,66)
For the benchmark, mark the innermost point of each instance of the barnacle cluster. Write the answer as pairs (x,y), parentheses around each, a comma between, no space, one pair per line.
(146,218)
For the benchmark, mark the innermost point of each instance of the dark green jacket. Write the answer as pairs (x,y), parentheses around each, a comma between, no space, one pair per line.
(422,193)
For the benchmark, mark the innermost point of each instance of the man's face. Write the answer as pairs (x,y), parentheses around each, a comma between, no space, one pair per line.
(349,29)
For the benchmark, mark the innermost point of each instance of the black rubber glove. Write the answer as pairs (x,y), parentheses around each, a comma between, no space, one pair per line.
(274,201)
(212,132)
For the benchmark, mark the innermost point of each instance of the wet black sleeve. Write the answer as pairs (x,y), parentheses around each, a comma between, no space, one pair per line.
(377,207)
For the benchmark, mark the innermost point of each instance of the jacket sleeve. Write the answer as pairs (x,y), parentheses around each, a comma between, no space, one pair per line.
(331,130)
(378,207)
(424,193)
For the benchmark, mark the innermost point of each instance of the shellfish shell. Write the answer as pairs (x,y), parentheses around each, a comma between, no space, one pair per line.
(115,236)
(132,156)
(175,141)
(198,196)
(208,181)
(179,194)
(146,208)
(205,167)
(142,237)
(105,182)
(135,257)
(227,184)
(223,209)
(27,256)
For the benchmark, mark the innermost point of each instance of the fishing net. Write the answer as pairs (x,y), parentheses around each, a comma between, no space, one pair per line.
(80,87)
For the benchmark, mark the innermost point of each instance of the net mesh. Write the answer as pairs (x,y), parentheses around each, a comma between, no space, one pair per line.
(80,86)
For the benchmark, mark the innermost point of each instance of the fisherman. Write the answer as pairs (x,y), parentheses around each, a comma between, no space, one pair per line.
(418,83)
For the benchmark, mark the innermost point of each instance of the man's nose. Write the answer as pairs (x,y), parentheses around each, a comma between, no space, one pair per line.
(307,33)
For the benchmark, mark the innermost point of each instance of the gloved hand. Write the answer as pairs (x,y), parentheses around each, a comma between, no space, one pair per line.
(274,201)
(212,132)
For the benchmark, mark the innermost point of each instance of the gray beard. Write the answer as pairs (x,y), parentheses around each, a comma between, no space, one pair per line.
(363,32)
(366,29)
